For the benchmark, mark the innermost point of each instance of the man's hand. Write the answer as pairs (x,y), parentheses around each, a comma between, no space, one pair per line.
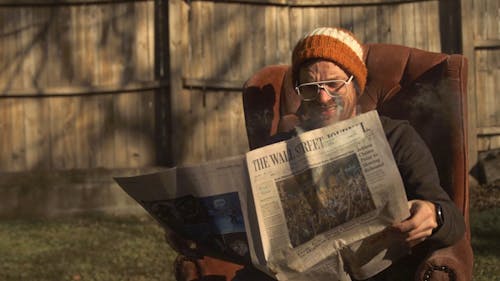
(420,224)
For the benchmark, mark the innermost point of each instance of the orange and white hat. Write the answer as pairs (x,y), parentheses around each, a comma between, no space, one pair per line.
(334,44)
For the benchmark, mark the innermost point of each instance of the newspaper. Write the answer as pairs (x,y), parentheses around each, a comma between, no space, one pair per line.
(206,204)
(318,195)
(314,207)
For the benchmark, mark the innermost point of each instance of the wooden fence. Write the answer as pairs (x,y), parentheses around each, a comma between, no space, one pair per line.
(481,41)
(82,99)
(86,84)
(78,85)
(117,84)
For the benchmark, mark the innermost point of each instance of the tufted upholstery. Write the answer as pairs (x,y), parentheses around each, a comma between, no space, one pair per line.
(427,89)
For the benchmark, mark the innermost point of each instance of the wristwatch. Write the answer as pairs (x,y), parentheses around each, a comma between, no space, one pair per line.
(439,217)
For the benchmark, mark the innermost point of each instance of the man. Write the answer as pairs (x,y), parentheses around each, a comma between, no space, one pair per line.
(329,75)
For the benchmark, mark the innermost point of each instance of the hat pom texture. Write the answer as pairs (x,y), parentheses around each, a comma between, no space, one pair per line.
(333,44)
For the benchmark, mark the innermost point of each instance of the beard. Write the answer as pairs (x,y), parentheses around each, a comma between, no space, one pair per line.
(317,116)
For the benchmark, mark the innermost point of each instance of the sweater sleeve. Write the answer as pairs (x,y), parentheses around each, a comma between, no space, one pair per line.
(421,178)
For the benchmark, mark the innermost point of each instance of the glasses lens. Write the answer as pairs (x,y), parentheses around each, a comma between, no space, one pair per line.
(334,86)
(308,91)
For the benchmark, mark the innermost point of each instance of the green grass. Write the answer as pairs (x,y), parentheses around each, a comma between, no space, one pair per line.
(485,229)
(84,248)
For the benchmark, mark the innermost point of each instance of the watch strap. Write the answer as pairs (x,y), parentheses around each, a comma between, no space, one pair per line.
(439,217)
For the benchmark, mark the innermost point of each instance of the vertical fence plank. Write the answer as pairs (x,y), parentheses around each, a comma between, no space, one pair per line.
(122,116)
(178,44)
(51,54)
(233,47)
(133,123)
(209,67)
(333,16)
(144,45)
(492,19)
(24,62)
(238,140)
(196,36)
(36,118)
(246,41)
(194,141)
(257,14)
(359,28)
(225,19)
(481,80)
(18,149)
(346,18)
(271,45)
(479,23)
(431,23)
(62,125)
(83,125)
(383,24)
(420,38)
(3,137)
(487,75)
(108,129)
(468,14)
(487,101)
(371,34)
(219,35)
(97,117)
(321,16)
(6,135)
(148,129)
(283,34)
(216,136)
(409,25)
(396,24)
(296,25)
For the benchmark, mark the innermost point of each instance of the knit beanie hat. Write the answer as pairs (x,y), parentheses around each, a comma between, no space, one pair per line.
(334,44)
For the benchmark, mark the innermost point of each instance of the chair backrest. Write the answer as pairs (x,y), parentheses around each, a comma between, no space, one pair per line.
(427,89)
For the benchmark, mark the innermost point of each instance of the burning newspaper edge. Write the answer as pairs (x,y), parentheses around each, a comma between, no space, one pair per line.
(313,207)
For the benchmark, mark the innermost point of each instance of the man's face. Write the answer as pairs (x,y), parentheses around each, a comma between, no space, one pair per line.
(326,109)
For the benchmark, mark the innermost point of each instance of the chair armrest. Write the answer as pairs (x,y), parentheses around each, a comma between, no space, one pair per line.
(206,268)
(450,263)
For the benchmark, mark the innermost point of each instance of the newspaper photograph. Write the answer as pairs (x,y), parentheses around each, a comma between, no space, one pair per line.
(321,193)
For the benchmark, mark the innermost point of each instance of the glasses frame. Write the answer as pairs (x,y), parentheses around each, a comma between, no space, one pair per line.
(321,85)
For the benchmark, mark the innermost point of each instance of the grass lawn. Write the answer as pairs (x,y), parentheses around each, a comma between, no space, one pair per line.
(131,249)
(485,230)
(84,248)
(486,244)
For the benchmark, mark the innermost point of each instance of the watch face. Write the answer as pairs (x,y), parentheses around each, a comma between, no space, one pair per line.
(439,215)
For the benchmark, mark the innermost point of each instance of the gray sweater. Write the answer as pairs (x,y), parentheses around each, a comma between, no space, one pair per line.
(421,178)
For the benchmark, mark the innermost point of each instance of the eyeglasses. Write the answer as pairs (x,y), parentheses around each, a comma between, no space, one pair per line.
(334,88)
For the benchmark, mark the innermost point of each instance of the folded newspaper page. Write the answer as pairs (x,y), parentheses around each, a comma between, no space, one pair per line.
(314,207)
(201,203)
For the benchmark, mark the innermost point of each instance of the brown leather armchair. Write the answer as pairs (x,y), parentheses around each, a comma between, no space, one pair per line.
(427,89)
